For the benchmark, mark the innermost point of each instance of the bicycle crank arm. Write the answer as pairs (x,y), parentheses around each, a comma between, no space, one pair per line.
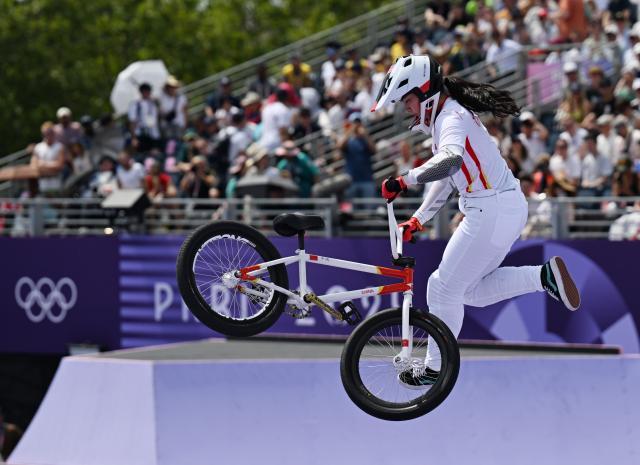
(352,317)
(311,298)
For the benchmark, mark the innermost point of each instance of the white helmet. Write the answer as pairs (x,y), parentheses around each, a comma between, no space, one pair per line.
(419,74)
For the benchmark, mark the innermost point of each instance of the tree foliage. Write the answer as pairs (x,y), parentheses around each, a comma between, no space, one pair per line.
(69,52)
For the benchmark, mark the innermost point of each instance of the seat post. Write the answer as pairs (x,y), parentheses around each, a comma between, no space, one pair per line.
(301,240)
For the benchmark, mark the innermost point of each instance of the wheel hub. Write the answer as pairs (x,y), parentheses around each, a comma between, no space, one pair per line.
(229,279)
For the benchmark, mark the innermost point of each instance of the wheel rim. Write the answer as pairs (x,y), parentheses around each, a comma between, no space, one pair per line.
(214,267)
(378,376)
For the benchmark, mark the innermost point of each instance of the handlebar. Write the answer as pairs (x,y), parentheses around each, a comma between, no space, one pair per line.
(395,233)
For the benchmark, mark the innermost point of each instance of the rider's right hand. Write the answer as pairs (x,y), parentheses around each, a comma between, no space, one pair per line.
(391,188)
(409,228)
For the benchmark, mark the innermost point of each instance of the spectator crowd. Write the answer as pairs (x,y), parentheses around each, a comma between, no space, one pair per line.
(588,145)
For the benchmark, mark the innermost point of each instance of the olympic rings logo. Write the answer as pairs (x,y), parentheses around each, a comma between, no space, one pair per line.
(46,294)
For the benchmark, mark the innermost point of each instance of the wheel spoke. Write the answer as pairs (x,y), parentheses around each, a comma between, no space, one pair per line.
(228,254)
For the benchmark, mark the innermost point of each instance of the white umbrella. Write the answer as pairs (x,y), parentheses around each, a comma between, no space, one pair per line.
(125,90)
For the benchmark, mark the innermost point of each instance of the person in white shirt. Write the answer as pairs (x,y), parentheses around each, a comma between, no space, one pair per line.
(573,134)
(503,54)
(276,120)
(465,158)
(595,168)
(328,69)
(533,136)
(365,99)
(173,109)
(565,168)
(143,121)
(239,133)
(130,173)
(48,157)
(609,143)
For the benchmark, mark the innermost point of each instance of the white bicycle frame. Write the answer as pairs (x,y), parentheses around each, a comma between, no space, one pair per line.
(253,272)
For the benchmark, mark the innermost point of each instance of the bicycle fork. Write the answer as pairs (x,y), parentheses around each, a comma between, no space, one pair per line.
(403,359)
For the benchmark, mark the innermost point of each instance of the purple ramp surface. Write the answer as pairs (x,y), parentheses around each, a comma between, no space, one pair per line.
(572,410)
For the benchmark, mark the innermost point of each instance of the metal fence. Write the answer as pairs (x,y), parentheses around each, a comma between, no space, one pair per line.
(557,218)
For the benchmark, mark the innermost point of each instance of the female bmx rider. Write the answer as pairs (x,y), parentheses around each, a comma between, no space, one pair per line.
(465,158)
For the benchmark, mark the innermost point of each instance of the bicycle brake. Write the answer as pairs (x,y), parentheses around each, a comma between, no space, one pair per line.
(352,317)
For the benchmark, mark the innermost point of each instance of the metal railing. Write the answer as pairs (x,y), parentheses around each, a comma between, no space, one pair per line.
(557,218)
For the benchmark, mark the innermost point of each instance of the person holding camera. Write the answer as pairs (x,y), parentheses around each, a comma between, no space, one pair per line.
(173,110)
(199,182)
(357,149)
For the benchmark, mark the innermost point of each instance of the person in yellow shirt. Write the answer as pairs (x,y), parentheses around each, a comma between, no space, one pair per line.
(297,73)
(401,46)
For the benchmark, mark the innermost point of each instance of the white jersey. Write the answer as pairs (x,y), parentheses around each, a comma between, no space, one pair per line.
(482,167)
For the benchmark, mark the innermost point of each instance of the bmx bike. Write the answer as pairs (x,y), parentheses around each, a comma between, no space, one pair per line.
(234,281)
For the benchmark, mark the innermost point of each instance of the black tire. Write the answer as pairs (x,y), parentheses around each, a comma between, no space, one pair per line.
(422,404)
(246,237)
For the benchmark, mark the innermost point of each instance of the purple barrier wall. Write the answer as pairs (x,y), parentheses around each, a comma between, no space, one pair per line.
(121,292)
(152,311)
(58,291)
(502,411)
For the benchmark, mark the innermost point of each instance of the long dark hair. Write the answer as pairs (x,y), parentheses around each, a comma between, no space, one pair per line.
(481,98)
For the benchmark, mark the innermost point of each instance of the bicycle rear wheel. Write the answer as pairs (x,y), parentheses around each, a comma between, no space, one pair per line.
(371,378)
(207,268)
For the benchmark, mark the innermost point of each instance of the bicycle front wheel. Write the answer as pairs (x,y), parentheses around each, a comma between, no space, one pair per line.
(370,367)
(207,269)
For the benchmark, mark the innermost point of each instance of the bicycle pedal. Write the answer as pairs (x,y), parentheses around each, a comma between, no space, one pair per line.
(352,317)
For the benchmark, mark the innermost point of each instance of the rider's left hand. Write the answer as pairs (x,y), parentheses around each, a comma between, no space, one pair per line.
(391,188)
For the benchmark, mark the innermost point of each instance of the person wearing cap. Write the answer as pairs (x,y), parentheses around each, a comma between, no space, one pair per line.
(595,168)
(608,141)
(262,84)
(533,136)
(296,72)
(328,69)
(224,93)
(565,168)
(67,131)
(599,91)
(612,47)
(358,148)
(49,157)
(252,106)
(173,109)
(296,165)
(143,117)
(571,75)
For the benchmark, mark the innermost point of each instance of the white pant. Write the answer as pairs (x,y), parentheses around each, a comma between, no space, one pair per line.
(468,273)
